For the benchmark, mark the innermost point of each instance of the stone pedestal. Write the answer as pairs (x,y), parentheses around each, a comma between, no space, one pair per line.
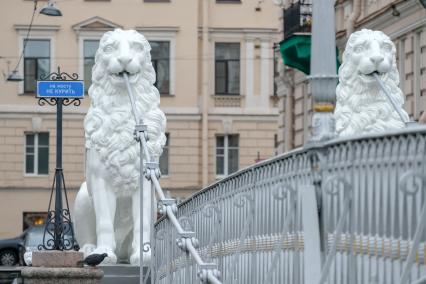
(60,267)
(56,258)
(63,275)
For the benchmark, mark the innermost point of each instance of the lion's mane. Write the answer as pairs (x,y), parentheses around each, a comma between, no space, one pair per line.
(109,124)
(361,108)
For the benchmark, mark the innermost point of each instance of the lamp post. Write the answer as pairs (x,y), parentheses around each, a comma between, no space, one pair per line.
(323,70)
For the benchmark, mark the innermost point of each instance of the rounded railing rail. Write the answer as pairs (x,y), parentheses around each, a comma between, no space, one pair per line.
(259,225)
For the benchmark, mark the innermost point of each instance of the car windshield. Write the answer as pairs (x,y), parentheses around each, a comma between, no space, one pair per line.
(34,239)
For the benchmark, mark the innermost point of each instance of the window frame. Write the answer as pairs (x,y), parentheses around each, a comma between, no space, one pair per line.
(36,59)
(25,59)
(156,62)
(227,63)
(226,149)
(36,154)
(45,33)
(81,38)
(86,88)
(164,34)
(166,147)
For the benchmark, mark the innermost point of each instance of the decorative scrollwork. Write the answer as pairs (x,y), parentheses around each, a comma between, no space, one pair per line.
(418,182)
(73,76)
(280,192)
(186,223)
(146,247)
(59,76)
(49,101)
(241,200)
(161,234)
(332,183)
(210,210)
(58,236)
(67,102)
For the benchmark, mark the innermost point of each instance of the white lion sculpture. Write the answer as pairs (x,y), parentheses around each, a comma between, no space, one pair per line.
(361,105)
(107,206)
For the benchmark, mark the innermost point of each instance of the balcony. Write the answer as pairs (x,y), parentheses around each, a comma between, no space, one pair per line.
(296,46)
(298,19)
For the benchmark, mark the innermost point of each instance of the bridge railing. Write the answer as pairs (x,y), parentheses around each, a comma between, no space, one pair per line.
(369,217)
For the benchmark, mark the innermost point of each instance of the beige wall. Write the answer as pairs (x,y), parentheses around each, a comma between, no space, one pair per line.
(408,32)
(252,115)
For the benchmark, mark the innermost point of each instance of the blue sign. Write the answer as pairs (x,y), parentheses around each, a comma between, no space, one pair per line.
(60,89)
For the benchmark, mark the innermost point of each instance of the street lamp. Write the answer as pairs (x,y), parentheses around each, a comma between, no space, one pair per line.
(50,10)
(14,77)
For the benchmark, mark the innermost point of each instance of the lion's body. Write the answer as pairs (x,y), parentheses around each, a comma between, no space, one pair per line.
(107,205)
(361,106)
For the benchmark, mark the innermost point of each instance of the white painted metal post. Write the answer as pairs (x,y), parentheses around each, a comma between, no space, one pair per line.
(323,69)
(311,234)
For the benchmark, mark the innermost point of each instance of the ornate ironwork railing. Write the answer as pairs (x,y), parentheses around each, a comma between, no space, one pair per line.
(371,211)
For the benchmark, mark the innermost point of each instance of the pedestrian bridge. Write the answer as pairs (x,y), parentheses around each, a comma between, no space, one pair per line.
(344,211)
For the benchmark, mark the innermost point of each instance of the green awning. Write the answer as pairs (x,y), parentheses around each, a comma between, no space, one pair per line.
(296,52)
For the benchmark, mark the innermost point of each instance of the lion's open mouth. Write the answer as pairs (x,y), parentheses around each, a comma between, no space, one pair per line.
(120,75)
(369,77)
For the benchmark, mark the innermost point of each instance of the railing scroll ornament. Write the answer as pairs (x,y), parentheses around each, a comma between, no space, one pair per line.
(332,187)
(410,183)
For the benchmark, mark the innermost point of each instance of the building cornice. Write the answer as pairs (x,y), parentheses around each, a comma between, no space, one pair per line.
(50,28)
(163,29)
(228,111)
(248,33)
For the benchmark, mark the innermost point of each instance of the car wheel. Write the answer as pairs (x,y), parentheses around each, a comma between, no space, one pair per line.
(8,258)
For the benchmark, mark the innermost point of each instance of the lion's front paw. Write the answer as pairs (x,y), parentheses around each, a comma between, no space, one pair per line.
(135,258)
(110,259)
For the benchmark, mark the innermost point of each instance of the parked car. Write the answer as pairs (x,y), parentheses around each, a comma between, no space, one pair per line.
(19,249)
(33,238)
(11,250)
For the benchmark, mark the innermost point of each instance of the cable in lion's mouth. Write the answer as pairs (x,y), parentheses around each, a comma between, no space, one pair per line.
(122,73)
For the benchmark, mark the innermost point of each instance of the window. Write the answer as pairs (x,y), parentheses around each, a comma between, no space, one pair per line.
(227,68)
(37,153)
(36,62)
(89,49)
(160,56)
(164,159)
(31,219)
(227,159)
(276,65)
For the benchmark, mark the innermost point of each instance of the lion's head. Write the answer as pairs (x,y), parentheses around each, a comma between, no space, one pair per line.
(361,106)
(109,123)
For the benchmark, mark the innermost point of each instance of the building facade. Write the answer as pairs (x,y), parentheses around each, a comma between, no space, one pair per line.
(214,73)
(403,21)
